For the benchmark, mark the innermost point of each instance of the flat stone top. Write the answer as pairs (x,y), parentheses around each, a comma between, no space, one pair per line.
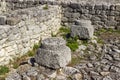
(82,22)
(54,41)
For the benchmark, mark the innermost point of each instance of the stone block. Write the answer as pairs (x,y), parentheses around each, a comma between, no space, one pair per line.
(76,15)
(95,18)
(118,27)
(53,53)
(85,11)
(12,21)
(74,5)
(89,6)
(67,14)
(98,7)
(92,12)
(83,29)
(2,53)
(2,20)
(13,76)
(105,7)
(117,18)
(98,12)
(118,7)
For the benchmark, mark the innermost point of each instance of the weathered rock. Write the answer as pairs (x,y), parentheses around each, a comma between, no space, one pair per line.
(2,20)
(89,65)
(12,21)
(53,53)
(23,68)
(104,73)
(77,76)
(107,78)
(52,43)
(14,76)
(70,70)
(83,29)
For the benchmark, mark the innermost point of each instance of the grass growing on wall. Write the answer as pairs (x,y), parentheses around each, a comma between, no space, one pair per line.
(4,70)
(30,53)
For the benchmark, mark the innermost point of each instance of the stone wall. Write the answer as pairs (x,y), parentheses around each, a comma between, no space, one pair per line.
(105,15)
(2,7)
(102,13)
(26,27)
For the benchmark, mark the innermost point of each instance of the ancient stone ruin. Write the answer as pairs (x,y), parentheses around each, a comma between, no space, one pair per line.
(23,23)
(83,29)
(52,58)
(53,53)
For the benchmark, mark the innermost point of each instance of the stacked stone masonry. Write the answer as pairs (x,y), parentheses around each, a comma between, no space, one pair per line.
(101,15)
(34,24)
(26,21)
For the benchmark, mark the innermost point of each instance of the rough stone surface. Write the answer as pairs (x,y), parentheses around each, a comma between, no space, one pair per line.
(26,27)
(57,56)
(83,29)
(2,20)
(14,76)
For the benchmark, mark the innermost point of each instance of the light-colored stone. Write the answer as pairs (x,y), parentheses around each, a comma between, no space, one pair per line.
(77,76)
(104,73)
(2,52)
(53,53)
(14,76)
(70,70)
(83,29)
(2,20)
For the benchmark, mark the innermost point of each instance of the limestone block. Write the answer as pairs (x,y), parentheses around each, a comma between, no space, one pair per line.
(3,41)
(13,76)
(83,29)
(118,7)
(53,53)
(2,52)
(9,49)
(12,21)
(2,31)
(2,20)
(12,37)
(98,7)
(105,7)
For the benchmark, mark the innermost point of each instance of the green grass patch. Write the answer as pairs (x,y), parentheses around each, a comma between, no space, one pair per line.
(3,70)
(72,43)
(64,29)
(31,53)
(15,66)
(110,30)
(100,41)
(36,46)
